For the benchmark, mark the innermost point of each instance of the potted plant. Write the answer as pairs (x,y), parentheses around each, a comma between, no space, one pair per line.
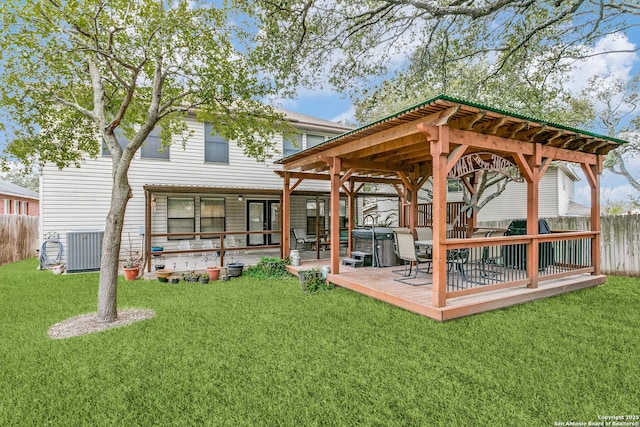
(191,276)
(174,280)
(131,269)
(204,279)
(163,275)
(131,265)
(214,272)
(234,269)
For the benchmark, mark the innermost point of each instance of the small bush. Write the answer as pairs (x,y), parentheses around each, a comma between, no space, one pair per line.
(311,281)
(269,268)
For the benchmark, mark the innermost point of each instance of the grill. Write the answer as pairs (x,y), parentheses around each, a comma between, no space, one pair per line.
(516,255)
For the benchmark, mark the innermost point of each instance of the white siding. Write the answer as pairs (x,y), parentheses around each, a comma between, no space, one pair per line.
(79,198)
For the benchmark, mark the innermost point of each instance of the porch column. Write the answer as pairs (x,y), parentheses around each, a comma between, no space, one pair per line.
(439,150)
(334,173)
(592,173)
(413,208)
(147,228)
(350,213)
(286,218)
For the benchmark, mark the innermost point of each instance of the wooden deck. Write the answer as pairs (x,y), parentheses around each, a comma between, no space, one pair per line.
(379,283)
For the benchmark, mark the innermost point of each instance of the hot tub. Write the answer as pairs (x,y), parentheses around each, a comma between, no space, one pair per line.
(384,253)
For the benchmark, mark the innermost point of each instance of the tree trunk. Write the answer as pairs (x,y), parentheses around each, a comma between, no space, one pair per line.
(107,290)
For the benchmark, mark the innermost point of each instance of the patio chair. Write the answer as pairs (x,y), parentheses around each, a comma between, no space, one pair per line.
(467,260)
(210,254)
(405,245)
(425,233)
(184,245)
(301,238)
(230,242)
(494,255)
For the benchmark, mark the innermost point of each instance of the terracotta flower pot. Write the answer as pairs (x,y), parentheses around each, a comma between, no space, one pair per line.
(214,273)
(163,273)
(131,273)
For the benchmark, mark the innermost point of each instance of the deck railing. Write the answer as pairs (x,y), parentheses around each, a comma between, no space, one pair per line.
(479,265)
(218,249)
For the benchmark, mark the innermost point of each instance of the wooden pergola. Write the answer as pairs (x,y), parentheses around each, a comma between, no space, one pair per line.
(437,138)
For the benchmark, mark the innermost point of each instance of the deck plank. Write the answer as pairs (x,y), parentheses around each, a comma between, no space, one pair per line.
(379,283)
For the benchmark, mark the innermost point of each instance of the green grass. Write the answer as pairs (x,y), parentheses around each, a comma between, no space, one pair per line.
(255,352)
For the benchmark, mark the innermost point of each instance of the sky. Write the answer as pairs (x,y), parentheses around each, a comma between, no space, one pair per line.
(329,105)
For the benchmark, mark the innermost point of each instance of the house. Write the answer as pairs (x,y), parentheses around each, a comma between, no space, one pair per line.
(16,200)
(207,186)
(557,193)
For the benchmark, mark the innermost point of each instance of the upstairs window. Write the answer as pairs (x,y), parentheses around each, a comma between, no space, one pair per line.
(291,145)
(216,148)
(120,137)
(152,147)
(313,140)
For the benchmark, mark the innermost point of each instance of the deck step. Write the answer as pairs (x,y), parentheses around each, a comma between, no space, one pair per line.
(352,262)
(366,258)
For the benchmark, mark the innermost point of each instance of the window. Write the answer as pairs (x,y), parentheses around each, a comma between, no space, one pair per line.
(216,148)
(180,217)
(454,186)
(342,214)
(291,145)
(152,147)
(313,140)
(25,208)
(7,206)
(120,137)
(16,207)
(212,216)
(311,216)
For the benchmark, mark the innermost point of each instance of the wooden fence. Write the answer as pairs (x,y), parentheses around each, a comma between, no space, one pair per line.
(619,244)
(18,237)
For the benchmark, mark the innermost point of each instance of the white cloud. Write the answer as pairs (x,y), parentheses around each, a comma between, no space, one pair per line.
(616,65)
(346,116)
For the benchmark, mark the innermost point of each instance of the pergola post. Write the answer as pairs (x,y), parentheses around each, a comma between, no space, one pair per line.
(533,254)
(592,173)
(439,216)
(350,213)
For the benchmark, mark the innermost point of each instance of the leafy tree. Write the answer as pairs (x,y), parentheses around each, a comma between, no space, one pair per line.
(30,181)
(75,73)
(354,40)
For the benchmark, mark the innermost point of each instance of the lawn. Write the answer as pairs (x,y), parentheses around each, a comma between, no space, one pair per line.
(259,352)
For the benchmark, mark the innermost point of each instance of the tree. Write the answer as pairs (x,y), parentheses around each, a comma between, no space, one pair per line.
(353,41)
(75,73)
(30,181)
(618,115)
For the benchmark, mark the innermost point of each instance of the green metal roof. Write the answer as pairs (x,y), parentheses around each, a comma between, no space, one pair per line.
(446,98)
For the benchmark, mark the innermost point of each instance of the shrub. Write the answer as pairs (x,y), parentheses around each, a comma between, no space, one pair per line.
(311,281)
(269,268)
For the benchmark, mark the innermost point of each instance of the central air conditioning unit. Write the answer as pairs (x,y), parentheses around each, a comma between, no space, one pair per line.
(84,250)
